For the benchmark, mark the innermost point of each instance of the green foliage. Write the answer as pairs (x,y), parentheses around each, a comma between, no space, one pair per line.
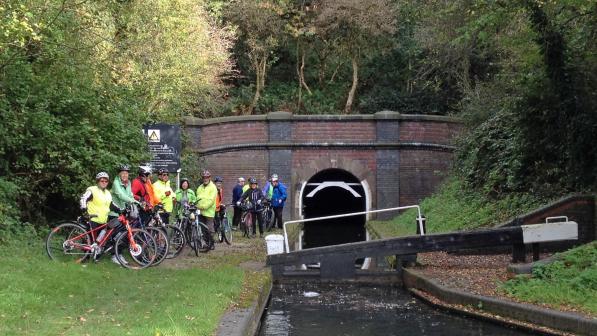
(570,280)
(79,79)
(11,227)
(454,207)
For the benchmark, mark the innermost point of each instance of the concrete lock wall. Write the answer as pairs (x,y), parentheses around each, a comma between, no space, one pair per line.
(399,159)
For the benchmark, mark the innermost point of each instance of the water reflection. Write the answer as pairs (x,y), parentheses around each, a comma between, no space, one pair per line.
(358,310)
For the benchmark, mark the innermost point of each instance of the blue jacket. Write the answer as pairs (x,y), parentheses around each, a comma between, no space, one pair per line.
(279,196)
(237,192)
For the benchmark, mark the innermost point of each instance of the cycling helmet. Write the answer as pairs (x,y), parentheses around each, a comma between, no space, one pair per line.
(184,179)
(205,173)
(124,167)
(102,175)
(274,177)
(218,179)
(162,171)
(252,180)
(144,170)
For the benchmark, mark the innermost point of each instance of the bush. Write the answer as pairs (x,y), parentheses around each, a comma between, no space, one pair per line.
(11,227)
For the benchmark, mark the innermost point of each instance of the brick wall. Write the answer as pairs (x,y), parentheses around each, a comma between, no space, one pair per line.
(233,133)
(578,208)
(348,131)
(231,165)
(433,132)
(420,173)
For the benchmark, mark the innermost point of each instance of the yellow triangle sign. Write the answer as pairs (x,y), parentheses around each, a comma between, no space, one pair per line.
(154,136)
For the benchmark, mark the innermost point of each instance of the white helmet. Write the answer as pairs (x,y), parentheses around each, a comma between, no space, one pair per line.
(144,170)
(102,175)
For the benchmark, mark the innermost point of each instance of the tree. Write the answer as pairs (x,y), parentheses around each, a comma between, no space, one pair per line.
(260,28)
(361,28)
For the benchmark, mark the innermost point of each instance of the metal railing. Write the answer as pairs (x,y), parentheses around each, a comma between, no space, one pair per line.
(419,219)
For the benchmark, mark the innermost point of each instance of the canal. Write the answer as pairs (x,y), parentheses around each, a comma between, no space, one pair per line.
(320,309)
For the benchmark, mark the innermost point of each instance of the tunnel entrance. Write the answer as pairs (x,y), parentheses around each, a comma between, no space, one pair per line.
(333,192)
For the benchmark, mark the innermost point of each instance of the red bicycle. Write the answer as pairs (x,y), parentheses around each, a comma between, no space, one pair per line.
(134,248)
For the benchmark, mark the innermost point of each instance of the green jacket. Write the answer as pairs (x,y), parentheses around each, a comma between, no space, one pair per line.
(191,198)
(121,194)
(206,197)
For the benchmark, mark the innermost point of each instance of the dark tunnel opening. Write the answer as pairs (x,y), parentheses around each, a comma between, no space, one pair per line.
(333,192)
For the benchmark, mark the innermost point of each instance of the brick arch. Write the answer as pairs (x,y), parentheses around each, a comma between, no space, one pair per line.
(400,159)
(303,171)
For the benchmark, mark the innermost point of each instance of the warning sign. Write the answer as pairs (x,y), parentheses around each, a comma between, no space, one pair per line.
(164,146)
(153,135)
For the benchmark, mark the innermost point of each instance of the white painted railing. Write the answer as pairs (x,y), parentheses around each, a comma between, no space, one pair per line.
(419,219)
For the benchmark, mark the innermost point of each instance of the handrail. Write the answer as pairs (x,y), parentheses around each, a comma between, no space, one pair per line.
(419,219)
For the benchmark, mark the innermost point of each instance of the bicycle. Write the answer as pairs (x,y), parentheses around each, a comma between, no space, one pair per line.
(222,225)
(75,241)
(268,214)
(173,235)
(196,232)
(246,218)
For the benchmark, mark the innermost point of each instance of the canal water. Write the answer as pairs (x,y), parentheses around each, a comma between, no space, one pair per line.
(315,309)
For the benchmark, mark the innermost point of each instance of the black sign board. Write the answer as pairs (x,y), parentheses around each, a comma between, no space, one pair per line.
(164,146)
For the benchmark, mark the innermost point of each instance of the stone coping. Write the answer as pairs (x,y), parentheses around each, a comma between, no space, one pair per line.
(324,144)
(246,321)
(287,116)
(554,319)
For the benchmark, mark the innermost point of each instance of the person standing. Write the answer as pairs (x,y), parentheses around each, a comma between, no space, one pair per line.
(278,200)
(206,202)
(164,194)
(237,192)
(184,195)
(218,180)
(140,193)
(255,196)
(97,203)
(121,190)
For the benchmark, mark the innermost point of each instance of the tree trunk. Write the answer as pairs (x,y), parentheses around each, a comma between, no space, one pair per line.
(260,67)
(298,72)
(353,88)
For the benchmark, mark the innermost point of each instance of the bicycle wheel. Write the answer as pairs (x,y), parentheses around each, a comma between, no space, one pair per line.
(207,240)
(226,231)
(163,244)
(68,242)
(142,255)
(268,215)
(176,239)
(195,240)
(246,222)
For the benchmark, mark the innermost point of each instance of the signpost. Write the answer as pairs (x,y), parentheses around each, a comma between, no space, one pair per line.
(165,146)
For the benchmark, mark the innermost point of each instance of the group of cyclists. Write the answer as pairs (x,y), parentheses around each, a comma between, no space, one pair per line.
(103,205)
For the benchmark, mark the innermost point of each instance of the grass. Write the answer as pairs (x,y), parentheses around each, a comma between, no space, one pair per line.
(185,296)
(453,208)
(570,281)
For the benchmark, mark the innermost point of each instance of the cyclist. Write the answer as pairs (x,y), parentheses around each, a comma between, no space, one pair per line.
(140,193)
(218,180)
(184,195)
(164,194)
(278,199)
(97,203)
(206,196)
(121,190)
(255,196)
(237,192)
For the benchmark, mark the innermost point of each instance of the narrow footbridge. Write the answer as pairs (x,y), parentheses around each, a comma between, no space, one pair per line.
(337,262)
